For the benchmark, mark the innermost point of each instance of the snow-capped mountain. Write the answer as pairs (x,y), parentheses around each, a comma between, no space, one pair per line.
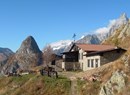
(60,46)
(103,33)
(89,39)
(113,25)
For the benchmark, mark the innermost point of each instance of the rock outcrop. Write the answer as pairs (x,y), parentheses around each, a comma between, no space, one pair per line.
(115,85)
(26,57)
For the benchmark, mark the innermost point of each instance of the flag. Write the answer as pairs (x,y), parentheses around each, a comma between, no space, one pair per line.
(74,35)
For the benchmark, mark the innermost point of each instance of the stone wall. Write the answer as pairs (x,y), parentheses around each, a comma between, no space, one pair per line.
(58,65)
(110,56)
(72,66)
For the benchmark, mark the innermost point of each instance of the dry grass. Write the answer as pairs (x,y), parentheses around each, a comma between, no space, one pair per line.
(88,88)
(34,85)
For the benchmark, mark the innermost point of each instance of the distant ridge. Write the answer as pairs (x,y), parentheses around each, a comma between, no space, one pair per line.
(5,53)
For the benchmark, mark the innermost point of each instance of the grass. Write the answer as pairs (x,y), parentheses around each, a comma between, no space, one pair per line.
(34,85)
(21,80)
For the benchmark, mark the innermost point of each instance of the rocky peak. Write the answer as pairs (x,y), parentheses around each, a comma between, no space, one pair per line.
(26,57)
(121,34)
(124,17)
(29,45)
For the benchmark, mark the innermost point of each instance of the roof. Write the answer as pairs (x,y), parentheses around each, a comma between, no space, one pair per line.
(104,51)
(94,47)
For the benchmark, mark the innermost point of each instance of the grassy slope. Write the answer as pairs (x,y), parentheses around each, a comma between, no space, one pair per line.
(34,85)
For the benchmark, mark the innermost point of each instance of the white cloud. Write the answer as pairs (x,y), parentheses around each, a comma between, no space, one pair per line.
(102,30)
(106,29)
(112,22)
(112,25)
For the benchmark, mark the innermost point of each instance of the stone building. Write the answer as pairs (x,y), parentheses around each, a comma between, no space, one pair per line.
(89,56)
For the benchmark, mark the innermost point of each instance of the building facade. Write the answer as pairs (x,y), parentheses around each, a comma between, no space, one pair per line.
(88,56)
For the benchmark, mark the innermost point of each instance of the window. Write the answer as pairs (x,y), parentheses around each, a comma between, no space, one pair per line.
(96,62)
(92,62)
(88,62)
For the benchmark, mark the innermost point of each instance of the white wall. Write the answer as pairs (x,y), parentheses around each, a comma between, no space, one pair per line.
(63,65)
(82,59)
(85,63)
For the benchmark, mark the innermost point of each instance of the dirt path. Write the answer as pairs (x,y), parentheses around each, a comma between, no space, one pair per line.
(74,89)
(73,78)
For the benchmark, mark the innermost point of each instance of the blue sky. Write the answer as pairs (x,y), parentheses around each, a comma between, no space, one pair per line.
(53,20)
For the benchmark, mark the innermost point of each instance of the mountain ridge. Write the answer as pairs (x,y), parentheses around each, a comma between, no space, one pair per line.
(97,38)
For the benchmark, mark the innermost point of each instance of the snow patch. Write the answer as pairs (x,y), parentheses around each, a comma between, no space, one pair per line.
(60,44)
(82,37)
